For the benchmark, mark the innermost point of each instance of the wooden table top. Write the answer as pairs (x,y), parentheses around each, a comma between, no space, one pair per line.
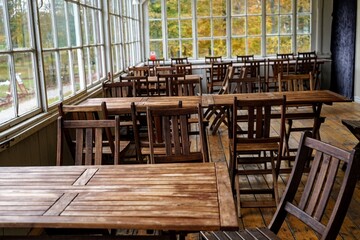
(122,105)
(183,197)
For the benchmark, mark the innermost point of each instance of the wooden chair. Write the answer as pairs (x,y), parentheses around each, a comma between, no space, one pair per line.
(285,56)
(179,60)
(314,200)
(295,82)
(118,89)
(276,67)
(220,112)
(89,143)
(168,84)
(210,60)
(244,83)
(184,68)
(217,75)
(141,85)
(165,70)
(307,65)
(169,128)
(254,142)
(243,58)
(307,54)
(89,113)
(139,71)
(256,69)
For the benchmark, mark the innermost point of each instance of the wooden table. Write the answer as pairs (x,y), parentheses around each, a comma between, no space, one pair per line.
(181,197)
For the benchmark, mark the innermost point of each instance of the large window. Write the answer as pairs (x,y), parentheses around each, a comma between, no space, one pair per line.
(229,27)
(53,50)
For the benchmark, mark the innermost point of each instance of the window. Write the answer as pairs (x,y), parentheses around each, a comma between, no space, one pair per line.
(62,56)
(19,89)
(229,27)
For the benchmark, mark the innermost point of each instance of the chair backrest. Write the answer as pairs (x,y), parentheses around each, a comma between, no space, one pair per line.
(88,139)
(278,66)
(170,82)
(169,130)
(244,83)
(243,58)
(307,54)
(285,55)
(218,72)
(184,68)
(215,59)
(306,65)
(254,67)
(140,84)
(179,60)
(139,71)
(320,192)
(252,123)
(156,62)
(118,89)
(296,82)
(165,70)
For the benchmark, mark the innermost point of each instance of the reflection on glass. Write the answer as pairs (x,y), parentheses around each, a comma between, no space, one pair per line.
(6,100)
(272,24)
(272,6)
(60,23)
(303,24)
(25,82)
(52,89)
(285,23)
(65,74)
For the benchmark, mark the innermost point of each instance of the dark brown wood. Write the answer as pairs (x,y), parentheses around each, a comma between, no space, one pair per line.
(170,129)
(119,89)
(252,142)
(217,75)
(181,197)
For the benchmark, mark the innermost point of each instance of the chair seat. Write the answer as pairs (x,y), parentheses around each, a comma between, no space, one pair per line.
(249,234)
(248,147)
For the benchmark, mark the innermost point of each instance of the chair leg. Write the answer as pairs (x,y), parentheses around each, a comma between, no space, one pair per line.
(237,189)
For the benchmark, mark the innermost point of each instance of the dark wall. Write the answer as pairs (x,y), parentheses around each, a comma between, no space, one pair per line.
(343,47)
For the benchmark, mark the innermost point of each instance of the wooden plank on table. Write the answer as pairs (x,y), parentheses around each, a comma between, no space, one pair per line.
(61,204)
(85,177)
(228,216)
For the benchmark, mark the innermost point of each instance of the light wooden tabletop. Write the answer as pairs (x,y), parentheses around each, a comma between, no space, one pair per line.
(183,197)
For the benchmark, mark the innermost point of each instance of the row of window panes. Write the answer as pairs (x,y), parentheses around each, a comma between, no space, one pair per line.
(246,27)
(73,51)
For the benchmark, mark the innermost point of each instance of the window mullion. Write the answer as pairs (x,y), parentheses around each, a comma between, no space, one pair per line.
(164,28)
(263,28)
(294,29)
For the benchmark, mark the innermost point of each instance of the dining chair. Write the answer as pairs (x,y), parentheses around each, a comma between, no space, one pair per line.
(141,85)
(217,76)
(184,68)
(209,60)
(319,196)
(88,113)
(276,67)
(173,137)
(257,69)
(256,148)
(308,54)
(220,113)
(179,60)
(243,58)
(244,83)
(139,71)
(169,83)
(285,56)
(118,89)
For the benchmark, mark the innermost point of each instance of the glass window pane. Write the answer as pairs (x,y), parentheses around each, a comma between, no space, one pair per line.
(19,23)
(47,37)
(172,8)
(204,27)
(65,74)
(185,8)
(187,48)
(272,7)
(219,26)
(52,90)
(254,7)
(157,47)
(186,28)
(285,6)
(238,7)
(254,25)
(303,43)
(203,8)
(272,24)
(72,11)
(286,24)
(173,48)
(155,9)
(155,29)
(6,100)
(25,82)
(75,66)
(173,28)
(272,45)
(220,47)
(60,23)
(303,24)
(204,47)
(254,45)
(303,6)
(238,46)
(3,40)
(285,44)
(238,26)
(219,7)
